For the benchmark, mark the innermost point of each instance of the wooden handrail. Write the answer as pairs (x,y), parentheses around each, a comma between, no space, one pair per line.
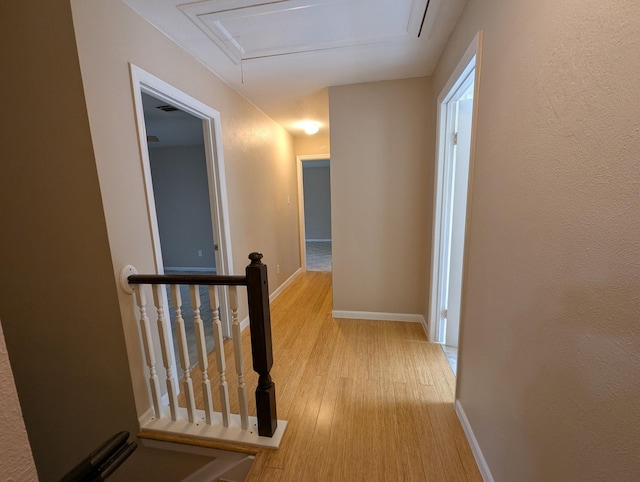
(259,321)
(187,279)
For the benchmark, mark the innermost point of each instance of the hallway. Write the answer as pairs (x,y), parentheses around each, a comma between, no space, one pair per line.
(365,400)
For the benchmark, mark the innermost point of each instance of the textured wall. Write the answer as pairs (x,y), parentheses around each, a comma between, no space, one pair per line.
(16,461)
(58,300)
(311,145)
(381,193)
(550,359)
(258,153)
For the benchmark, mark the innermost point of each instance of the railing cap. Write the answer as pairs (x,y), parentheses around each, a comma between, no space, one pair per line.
(255,258)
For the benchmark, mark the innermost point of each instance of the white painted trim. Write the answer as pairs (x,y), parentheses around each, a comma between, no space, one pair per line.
(472,50)
(245,322)
(219,12)
(143,81)
(472,157)
(448,91)
(425,326)
(473,443)
(281,288)
(233,433)
(378,316)
(301,231)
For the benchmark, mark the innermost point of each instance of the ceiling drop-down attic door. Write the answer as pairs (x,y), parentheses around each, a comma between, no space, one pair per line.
(250,30)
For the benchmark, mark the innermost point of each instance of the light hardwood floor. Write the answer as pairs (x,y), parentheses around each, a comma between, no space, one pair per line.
(365,400)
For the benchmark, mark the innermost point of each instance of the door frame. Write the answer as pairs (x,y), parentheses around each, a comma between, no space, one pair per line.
(468,62)
(143,81)
(301,230)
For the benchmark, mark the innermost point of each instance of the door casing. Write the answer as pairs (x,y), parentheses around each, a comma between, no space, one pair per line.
(300,160)
(143,81)
(468,64)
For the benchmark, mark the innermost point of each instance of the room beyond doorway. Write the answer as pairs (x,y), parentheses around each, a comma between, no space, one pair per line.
(318,255)
(314,198)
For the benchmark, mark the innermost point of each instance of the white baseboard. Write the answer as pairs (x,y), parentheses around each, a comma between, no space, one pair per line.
(475,448)
(244,323)
(281,288)
(425,327)
(371,315)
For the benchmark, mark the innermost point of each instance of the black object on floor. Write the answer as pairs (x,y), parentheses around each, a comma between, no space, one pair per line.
(103,461)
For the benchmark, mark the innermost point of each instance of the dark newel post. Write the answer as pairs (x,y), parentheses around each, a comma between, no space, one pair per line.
(260,322)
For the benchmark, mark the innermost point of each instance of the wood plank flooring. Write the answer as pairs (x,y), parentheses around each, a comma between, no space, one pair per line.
(365,400)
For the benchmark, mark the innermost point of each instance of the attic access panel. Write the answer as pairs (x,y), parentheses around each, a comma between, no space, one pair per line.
(249,29)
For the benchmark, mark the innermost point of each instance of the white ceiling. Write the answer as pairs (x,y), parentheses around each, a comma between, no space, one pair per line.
(172,128)
(283,54)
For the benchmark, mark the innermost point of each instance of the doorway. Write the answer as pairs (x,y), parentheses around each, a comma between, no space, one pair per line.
(178,165)
(185,183)
(314,207)
(456,107)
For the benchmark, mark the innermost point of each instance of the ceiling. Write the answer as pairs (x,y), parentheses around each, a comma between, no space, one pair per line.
(168,126)
(283,54)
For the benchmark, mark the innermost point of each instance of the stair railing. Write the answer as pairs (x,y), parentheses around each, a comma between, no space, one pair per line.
(166,414)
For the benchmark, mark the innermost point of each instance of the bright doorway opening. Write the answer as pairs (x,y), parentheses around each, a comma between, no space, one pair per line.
(456,107)
(314,198)
(185,189)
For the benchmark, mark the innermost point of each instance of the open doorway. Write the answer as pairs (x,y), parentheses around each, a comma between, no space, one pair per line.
(177,159)
(456,105)
(180,187)
(185,188)
(314,186)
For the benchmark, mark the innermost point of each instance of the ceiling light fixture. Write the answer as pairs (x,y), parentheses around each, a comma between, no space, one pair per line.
(310,127)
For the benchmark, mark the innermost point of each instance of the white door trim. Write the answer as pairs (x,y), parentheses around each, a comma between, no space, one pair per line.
(470,60)
(143,81)
(301,230)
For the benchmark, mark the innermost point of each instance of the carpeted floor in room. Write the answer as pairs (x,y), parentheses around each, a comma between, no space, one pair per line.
(318,255)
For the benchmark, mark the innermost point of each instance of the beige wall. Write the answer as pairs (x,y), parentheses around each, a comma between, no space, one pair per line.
(258,154)
(381,193)
(16,461)
(311,145)
(550,361)
(58,297)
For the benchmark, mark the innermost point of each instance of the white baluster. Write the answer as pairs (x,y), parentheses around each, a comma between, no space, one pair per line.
(237,348)
(202,352)
(220,360)
(167,359)
(187,383)
(147,343)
